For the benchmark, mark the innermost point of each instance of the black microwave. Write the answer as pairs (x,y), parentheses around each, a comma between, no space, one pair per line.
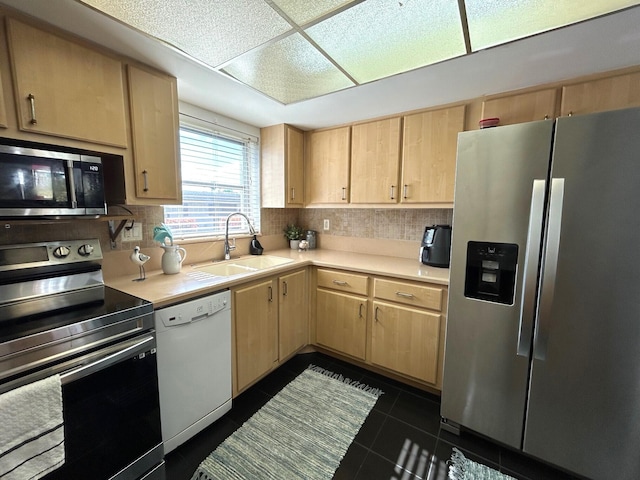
(47,183)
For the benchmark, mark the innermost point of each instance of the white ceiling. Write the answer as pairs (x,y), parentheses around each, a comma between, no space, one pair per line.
(605,43)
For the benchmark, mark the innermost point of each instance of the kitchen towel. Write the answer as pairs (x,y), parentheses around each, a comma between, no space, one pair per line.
(31,430)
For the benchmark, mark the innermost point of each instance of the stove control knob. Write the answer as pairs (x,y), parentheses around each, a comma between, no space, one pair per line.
(85,250)
(61,252)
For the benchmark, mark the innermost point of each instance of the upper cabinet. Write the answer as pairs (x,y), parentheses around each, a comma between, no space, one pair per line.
(429,155)
(610,93)
(282,157)
(64,89)
(522,107)
(153,101)
(375,161)
(327,172)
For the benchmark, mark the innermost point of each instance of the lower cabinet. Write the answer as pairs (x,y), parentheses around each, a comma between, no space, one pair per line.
(341,322)
(255,311)
(271,318)
(406,340)
(398,326)
(293,306)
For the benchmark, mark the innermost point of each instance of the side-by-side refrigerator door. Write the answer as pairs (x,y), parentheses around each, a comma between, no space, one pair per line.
(497,227)
(584,407)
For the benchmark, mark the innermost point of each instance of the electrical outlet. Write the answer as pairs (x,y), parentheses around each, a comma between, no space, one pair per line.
(133,234)
(325,224)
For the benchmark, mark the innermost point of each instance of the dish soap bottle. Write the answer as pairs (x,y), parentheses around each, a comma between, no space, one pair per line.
(254,247)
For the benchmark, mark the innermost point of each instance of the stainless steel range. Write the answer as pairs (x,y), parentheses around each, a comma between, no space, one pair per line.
(58,318)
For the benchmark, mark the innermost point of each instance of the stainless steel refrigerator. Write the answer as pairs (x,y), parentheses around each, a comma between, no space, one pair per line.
(543,331)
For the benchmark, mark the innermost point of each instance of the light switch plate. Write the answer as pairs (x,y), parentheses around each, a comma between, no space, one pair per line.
(325,224)
(133,234)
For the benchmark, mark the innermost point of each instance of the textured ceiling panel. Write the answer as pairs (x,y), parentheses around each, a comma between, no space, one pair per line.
(379,38)
(289,70)
(500,21)
(305,12)
(210,31)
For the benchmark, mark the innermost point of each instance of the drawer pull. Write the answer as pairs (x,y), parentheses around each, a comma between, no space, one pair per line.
(344,193)
(32,104)
(393,192)
(341,283)
(405,191)
(405,295)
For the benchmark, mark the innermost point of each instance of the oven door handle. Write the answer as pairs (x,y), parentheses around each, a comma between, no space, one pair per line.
(138,348)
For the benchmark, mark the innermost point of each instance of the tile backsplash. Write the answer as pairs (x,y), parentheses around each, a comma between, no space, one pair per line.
(397,224)
(388,224)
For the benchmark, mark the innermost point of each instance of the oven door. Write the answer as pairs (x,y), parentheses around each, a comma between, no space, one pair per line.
(111,412)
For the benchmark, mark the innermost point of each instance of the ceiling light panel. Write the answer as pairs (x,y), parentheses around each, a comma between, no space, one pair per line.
(212,32)
(305,12)
(500,21)
(379,38)
(289,70)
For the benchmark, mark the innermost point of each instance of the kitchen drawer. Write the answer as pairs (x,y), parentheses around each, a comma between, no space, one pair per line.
(342,281)
(409,293)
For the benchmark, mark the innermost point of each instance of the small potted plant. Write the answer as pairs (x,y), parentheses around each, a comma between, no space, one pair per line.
(294,234)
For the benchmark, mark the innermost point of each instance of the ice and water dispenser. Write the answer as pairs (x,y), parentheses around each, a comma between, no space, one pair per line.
(491,271)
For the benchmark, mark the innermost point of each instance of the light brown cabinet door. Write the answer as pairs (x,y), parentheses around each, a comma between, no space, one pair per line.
(153,102)
(327,172)
(3,108)
(406,340)
(375,161)
(282,158)
(521,108)
(256,331)
(341,322)
(429,155)
(611,93)
(65,89)
(295,168)
(293,313)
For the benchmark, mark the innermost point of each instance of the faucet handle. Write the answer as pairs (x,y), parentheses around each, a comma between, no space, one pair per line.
(233,244)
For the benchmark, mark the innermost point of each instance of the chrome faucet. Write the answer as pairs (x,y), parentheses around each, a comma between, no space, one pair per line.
(227,247)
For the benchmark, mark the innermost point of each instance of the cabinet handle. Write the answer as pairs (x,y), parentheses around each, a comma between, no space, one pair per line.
(376,314)
(546,117)
(284,289)
(405,191)
(293,193)
(146,180)
(392,192)
(270,294)
(344,193)
(32,104)
(341,283)
(570,114)
(360,311)
(404,294)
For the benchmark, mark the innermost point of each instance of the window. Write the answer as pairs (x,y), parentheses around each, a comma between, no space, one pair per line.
(220,175)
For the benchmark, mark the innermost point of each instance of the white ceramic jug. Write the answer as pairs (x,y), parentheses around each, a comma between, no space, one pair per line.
(172,258)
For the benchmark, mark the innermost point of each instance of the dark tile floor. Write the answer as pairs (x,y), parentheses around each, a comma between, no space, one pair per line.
(401,438)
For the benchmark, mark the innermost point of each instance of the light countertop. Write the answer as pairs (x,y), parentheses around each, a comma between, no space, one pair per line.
(163,290)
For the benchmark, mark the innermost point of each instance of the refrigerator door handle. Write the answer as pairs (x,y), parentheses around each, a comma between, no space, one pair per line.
(550,267)
(534,236)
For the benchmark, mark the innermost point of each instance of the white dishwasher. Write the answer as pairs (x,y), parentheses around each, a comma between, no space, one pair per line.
(194,365)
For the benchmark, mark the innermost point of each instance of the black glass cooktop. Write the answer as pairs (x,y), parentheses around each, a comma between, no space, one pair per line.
(114,306)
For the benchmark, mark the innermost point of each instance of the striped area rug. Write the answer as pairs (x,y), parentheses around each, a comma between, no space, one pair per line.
(301,433)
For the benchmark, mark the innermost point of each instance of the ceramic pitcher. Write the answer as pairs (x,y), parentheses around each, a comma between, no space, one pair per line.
(172,258)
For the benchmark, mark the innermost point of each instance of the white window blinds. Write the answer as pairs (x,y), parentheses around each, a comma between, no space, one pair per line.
(220,175)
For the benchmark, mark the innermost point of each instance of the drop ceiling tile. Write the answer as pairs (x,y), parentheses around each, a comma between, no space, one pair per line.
(500,21)
(211,31)
(379,38)
(289,70)
(305,12)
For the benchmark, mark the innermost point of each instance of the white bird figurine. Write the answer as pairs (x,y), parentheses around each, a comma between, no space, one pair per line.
(139,259)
